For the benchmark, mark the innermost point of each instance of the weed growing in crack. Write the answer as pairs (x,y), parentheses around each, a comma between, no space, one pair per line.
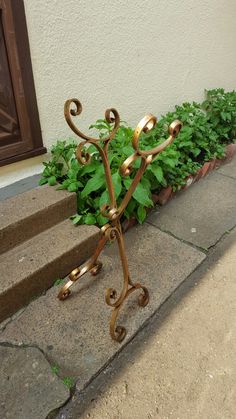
(67,381)
(58,281)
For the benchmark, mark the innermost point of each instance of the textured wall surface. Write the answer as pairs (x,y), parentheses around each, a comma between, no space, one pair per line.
(136,56)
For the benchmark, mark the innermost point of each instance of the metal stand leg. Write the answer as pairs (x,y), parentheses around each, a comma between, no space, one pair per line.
(111,233)
(112,230)
(92,265)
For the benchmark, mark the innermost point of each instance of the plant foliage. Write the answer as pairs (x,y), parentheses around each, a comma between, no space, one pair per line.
(207,128)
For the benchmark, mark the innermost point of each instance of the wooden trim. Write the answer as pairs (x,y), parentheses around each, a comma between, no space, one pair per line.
(18,50)
(23,156)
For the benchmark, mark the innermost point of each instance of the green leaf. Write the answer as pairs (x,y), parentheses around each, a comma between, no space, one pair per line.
(158,172)
(61,187)
(169,162)
(127,182)
(66,183)
(116,179)
(104,199)
(141,214)
(43,181)
(72,173)
(223,116)
(91,167)
(101,220)
(142,196)
(137,163)
(128,150)
(92,185)
(130,208)
(52,181)
(196,151)
(69,154)
(73,187)
(145,182)
(92,149)
(90,219)
(76,218)
(75,164)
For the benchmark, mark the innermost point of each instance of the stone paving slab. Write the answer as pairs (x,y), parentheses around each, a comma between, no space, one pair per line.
(28,388)
(75,334)
(182,364)
(229,169)
(202,214)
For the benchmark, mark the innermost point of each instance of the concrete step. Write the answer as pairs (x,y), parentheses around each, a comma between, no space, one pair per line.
(32,212)
(32,267)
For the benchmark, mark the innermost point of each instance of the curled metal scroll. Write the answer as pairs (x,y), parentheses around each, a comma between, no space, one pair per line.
(112,230)
(111,117)
(145,125)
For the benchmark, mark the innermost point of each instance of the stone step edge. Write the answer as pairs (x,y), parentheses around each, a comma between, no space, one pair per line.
(59,205)
(15,295)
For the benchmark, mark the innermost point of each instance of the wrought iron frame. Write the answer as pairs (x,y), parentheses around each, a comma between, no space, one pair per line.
(112,230)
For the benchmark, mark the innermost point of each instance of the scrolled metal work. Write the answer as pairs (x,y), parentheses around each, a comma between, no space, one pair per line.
(112,230)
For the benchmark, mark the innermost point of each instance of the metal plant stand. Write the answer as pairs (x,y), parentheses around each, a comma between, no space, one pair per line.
(112,230)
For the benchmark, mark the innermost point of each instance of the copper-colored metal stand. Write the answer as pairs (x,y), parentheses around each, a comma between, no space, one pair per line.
(112,230)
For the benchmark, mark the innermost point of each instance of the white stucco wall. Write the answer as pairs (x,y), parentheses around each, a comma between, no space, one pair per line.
(137,56)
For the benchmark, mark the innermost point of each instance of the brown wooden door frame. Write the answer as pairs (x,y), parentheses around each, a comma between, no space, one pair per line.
(29,143)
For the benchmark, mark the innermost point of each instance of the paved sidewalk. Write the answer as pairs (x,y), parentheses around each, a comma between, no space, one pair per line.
(71,339)
(183,365)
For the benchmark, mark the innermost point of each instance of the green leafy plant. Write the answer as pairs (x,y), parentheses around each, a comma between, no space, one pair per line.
(207,127)
(55,369)
(221,108)
(68,381)
(196,143)
(58,281)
